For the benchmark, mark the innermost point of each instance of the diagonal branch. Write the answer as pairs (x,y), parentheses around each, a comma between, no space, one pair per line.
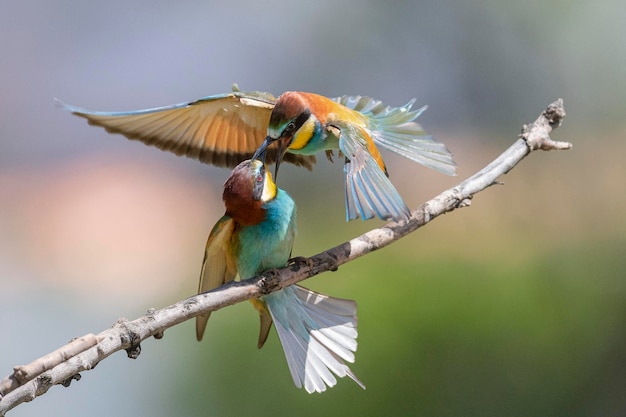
(65,364)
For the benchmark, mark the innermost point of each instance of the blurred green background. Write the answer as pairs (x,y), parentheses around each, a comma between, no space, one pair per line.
(514,306)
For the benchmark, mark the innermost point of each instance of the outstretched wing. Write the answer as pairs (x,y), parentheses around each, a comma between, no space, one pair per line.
(318,335)
(219,265)
(395,129)
(221,130)
(368,190)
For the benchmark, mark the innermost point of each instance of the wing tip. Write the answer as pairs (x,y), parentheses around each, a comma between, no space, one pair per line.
(58,103)
(201,322)
(369,193)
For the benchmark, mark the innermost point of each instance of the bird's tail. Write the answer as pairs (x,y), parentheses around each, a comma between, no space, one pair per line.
(395,129)
(318,334)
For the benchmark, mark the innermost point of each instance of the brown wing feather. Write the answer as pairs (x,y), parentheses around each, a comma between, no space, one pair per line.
(221,130)
(219,265)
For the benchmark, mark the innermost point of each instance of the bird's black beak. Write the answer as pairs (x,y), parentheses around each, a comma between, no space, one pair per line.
(281,148)
(261,152)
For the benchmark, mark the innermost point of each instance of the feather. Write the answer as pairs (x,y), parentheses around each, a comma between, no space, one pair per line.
(221,130)
(369,191)
(218,266)
(318,333)
(394,129)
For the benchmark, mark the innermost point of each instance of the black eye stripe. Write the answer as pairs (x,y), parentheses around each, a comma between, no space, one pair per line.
(297,124)
(300,120)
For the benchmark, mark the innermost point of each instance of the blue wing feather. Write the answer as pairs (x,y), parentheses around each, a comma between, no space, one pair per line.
(395,129)
(369,192)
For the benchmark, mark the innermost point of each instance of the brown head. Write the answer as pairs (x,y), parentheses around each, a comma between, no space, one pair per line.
(290,113)
(246,190)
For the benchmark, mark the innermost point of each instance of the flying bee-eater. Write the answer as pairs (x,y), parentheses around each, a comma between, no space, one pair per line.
(224,129)
(317,332)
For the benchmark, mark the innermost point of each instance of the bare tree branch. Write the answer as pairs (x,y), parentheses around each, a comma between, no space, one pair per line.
(65,364)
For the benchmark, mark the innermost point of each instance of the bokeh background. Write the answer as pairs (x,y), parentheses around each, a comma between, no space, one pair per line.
(514,306)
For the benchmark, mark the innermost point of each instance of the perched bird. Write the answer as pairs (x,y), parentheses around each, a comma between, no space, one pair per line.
(318,333)
(227,128)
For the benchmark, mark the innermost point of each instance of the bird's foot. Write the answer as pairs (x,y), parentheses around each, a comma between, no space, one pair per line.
(298,262)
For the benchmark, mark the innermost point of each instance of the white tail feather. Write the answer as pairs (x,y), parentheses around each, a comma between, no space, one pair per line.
(318,333)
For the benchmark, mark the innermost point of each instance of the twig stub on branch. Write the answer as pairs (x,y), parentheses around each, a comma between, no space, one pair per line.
(537,134)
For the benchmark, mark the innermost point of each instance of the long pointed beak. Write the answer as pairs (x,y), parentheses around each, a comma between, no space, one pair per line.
(261,152)
(281,149)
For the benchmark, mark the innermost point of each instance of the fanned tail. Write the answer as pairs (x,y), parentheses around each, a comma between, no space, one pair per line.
(318,335)
(394,129)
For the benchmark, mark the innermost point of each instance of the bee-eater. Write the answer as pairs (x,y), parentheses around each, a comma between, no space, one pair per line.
(227,128)
(318,333)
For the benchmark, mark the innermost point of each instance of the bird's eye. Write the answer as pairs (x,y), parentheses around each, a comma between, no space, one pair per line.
(259,178)
(290,127)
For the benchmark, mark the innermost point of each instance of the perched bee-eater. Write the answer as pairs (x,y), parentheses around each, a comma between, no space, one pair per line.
(227,128)
(318,333)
